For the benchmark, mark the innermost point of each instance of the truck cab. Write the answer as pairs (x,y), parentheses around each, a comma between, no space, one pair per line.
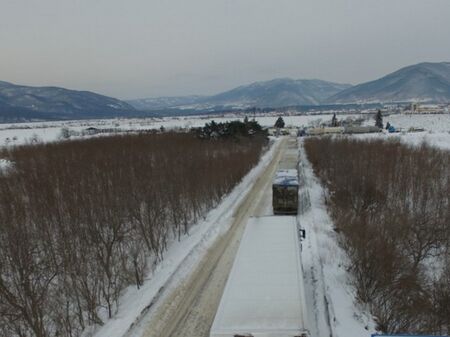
(285,192)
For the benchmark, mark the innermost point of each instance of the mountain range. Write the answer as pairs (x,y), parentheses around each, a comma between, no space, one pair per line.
(275,93)
(425,82)
(19,102)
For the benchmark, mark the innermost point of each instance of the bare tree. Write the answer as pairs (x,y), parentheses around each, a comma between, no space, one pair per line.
(391,203)
(81,220)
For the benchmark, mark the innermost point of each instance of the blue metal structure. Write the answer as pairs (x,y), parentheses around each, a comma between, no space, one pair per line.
(392,129)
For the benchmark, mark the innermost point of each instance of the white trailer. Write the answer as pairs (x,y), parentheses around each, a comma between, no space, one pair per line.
(264,293)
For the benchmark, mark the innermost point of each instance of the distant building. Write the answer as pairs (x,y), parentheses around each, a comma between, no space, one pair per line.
(91,131)
(419,108)
(325,131)
(361,129)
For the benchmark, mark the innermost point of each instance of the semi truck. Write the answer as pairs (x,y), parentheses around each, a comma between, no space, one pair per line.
(285,192)
(264,294)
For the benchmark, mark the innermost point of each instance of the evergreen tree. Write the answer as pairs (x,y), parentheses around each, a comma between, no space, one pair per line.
(334,121)
(279,123)
(379,119)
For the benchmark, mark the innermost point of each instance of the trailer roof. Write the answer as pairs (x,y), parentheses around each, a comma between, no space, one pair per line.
(264,292)
(287,177)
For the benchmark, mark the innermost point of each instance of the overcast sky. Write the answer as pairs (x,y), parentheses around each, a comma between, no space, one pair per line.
(147,48)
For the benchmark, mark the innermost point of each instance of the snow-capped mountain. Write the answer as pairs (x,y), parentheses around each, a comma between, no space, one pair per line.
(59,103)
(426,82)
(274,93)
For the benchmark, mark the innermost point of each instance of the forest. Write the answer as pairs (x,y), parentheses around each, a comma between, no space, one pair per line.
(390,204)
(81,220)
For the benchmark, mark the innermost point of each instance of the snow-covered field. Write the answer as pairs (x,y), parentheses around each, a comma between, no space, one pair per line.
(437,139)
(437,129)
(21,133)
(434,123)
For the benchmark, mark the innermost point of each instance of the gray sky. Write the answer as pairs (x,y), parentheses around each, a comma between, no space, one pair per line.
(147,48)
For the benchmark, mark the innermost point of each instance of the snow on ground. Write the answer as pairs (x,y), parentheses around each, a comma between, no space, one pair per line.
(430,122)
(437,139)
(5,165)
(180,258)
(21,133)
(437,129)
(329,295)
(437,126)
(23,136)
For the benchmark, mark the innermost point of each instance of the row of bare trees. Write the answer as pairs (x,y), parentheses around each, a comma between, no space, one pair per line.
(391,202)
(81,220)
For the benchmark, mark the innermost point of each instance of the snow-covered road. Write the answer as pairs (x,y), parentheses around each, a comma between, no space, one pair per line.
(190,308)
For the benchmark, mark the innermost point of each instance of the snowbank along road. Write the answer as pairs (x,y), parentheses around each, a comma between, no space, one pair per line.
(190,309)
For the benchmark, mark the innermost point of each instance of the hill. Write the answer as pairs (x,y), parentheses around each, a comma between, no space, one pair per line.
(279,92)
(425,82)
(19,102)
(165,102)
(275,93)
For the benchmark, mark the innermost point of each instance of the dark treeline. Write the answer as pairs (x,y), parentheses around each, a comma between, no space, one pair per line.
(233,129)
(391,202)
(81,220)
